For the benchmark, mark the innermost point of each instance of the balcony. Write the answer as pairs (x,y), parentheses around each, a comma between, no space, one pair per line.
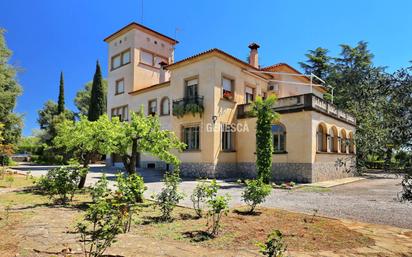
(307,102)
(186,105)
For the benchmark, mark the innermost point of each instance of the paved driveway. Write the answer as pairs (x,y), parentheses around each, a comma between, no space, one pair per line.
(372,200)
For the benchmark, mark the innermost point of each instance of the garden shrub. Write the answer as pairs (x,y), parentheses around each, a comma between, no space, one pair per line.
(255,193)
(274,245)
(169,197)
(218,205)
(201,193)
(100,190)
(61,183)
(406,194)
(102,223)
(129,191)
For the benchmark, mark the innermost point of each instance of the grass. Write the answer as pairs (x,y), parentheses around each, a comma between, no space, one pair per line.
(313,189)
(16,181)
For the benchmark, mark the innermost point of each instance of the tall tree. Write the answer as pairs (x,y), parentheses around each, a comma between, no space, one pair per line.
(82,99)
(318,62)
(60,103)
(97,99)
(263,110)
(9,91)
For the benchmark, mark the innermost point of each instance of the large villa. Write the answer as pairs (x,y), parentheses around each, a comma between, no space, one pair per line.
(205,99)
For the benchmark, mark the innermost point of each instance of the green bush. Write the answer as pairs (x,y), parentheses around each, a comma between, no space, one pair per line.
(218,206)
(129,191)
(169,197)
(100,190)
(406,194)
(102,223)
(61,183)
(274,246)
(255,193)
(201,193)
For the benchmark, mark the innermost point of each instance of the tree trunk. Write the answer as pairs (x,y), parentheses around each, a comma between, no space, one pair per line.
(86,162)
(133,159)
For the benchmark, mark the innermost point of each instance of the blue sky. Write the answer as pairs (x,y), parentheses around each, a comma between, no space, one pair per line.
(48,36)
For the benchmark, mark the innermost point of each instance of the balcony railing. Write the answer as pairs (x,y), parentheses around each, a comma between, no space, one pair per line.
(188,105)
(302,102)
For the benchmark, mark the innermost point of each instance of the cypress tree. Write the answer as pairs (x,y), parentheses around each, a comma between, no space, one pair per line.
(97,98)
(60,104)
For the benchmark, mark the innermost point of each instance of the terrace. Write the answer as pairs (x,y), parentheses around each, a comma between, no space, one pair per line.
(307,102)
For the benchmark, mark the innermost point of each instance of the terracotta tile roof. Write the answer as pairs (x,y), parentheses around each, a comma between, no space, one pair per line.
(213,50)
(149,88)
(139,26)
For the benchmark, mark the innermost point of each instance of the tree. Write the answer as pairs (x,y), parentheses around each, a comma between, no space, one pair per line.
(60,103)
(49,117)
(263,110)
(86,138)
(9,91)
(143,134)
(97,98)
(82,100)
(318,62)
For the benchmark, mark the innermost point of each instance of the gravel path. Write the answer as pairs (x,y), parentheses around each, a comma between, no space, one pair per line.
(372,200)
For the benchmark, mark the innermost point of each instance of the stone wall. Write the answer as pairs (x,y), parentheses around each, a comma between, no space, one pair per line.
(343,168)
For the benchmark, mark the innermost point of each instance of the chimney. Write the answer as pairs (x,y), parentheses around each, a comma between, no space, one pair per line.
(253,56)
(162,73)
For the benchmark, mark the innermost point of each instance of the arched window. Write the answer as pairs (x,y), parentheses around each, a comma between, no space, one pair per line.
(333,139)
(321,138)
(165,106)
(279,138)
(351,143)
(343,144)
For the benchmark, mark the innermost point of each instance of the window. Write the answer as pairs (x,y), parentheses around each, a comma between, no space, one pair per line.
(191,137)
(191,88)
(121,59)
(122,112)
(279,138)
(227,138)
(126,57)
(165,106)
(264,95)
(321,138)
(151,59)
(152,107)
(333,140)
(119,86)
(146,58)
(227,88)
(343,141)
(249,94)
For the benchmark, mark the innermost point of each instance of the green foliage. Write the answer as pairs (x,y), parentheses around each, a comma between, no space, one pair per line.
(255,193)
(218,206)
(144,134)
(201,193)
(60,102)
(102,223)
(179,110)
(82,99)
(263,110)
(406,194)
(97,98)
(274,245)
(61,183)
(169,197)
(100,189)
(129,191)
(9,91)
(318,63)
(86,138)
(29,144)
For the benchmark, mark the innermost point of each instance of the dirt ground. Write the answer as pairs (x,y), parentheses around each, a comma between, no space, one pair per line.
(30,226)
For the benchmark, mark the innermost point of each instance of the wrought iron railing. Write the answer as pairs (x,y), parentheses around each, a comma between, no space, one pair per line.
(188,105)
